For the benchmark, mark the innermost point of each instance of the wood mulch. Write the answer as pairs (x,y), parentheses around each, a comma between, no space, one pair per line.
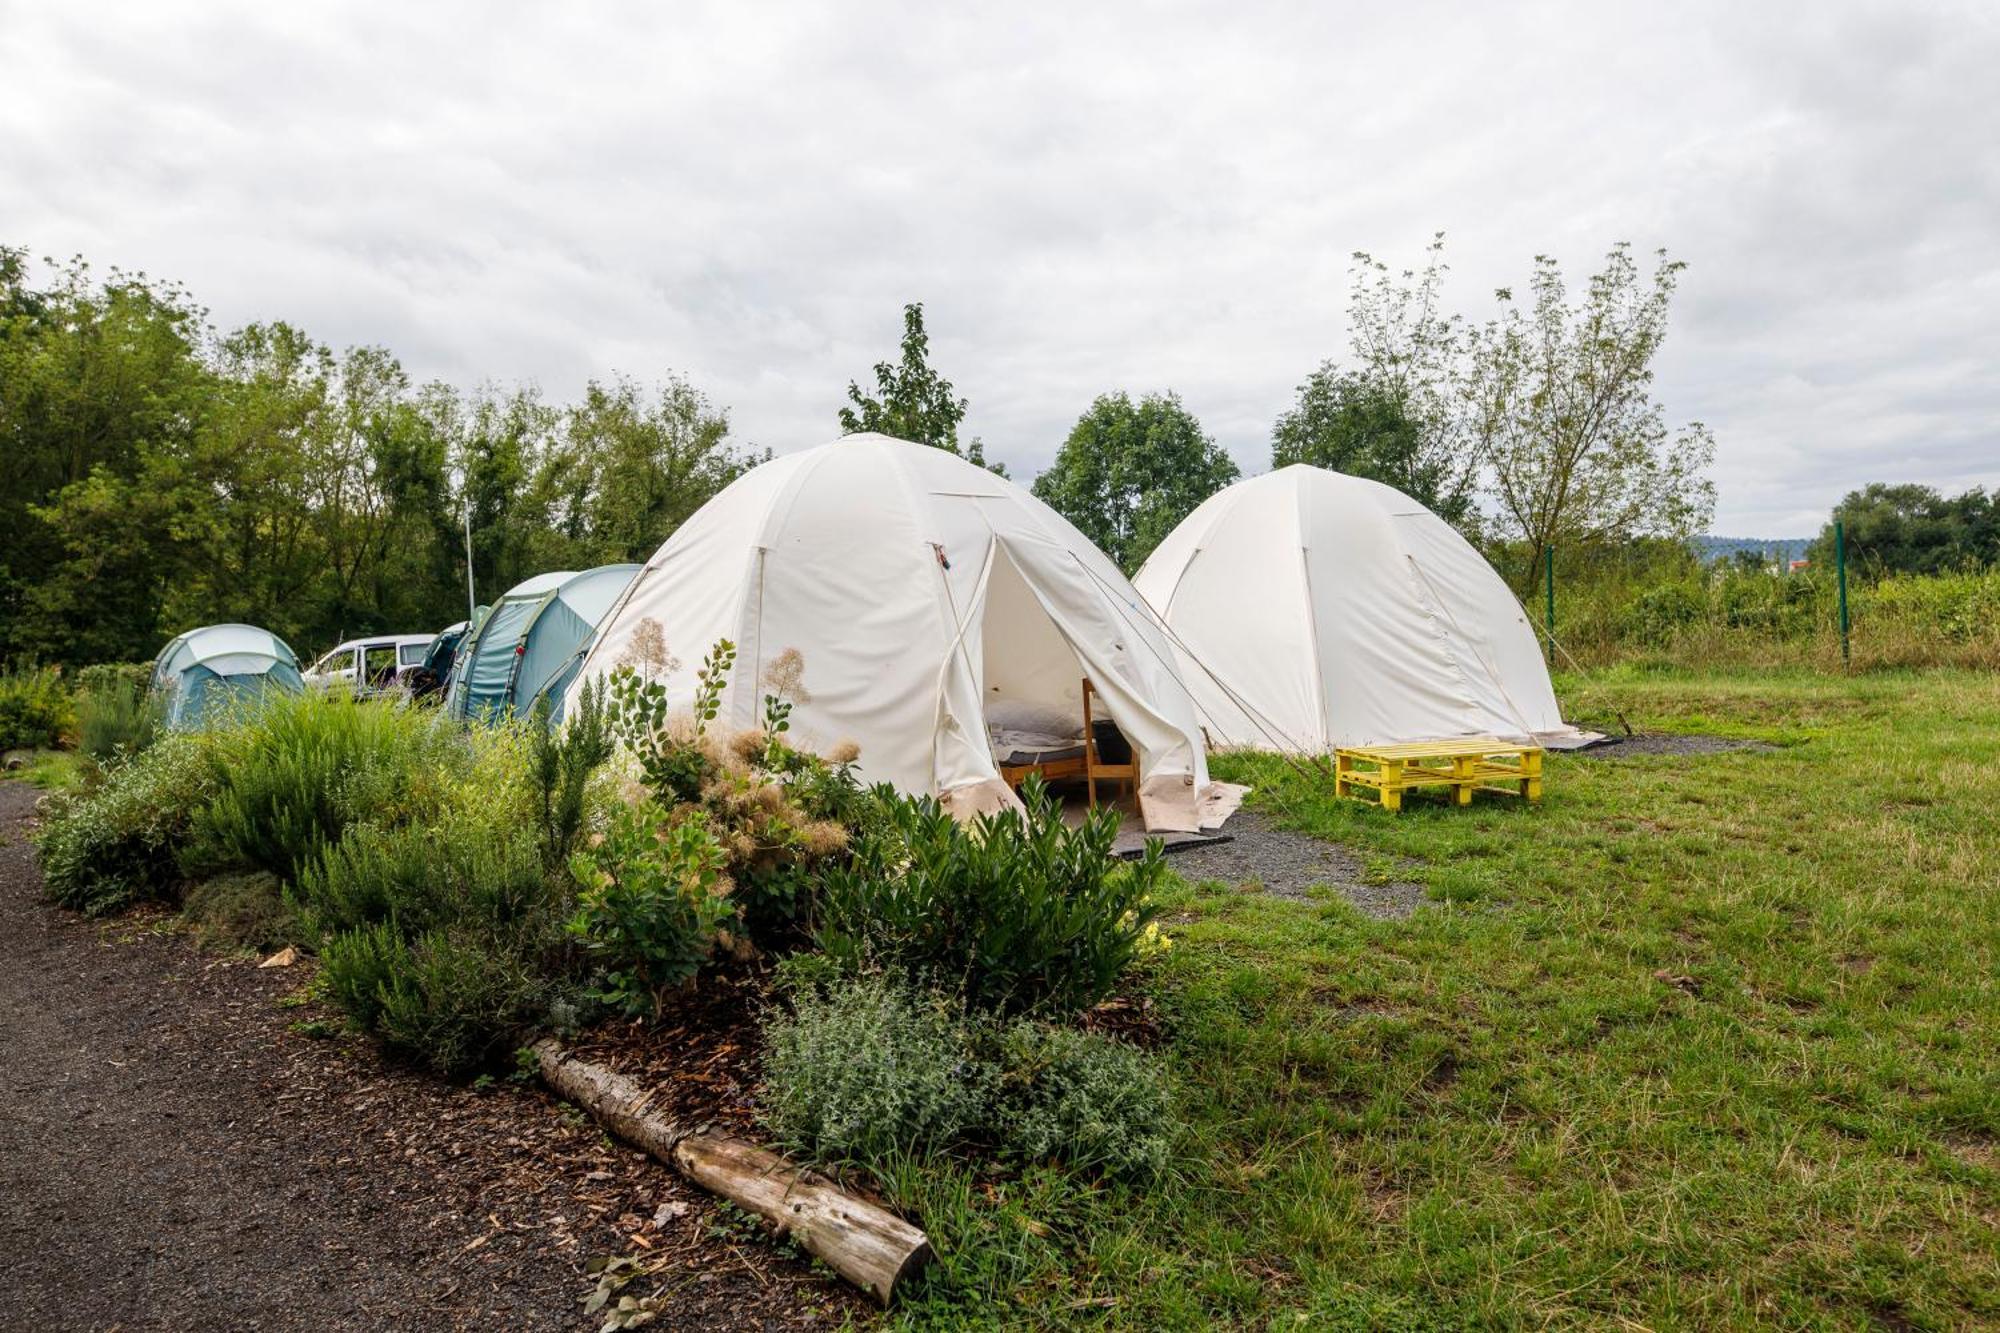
(182,1146)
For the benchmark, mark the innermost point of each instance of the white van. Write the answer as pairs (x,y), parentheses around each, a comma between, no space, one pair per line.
(378,664)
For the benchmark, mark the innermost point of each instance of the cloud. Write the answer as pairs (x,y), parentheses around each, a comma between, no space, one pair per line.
(1086,198)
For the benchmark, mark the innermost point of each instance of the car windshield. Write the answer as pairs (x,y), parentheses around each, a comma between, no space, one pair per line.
(337,660)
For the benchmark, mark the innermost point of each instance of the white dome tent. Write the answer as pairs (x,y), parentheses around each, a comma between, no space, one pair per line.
(1322,610)
(928,598)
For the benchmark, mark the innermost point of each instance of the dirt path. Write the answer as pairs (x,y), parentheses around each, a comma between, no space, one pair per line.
(174,1154)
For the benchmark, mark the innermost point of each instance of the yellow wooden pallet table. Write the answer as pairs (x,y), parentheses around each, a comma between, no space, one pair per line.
(1463,764)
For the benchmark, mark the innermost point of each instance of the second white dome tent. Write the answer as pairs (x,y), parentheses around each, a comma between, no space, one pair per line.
(1321,610)
(926,599)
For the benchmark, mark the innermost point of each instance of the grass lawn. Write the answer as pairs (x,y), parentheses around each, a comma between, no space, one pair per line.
(1703,1041)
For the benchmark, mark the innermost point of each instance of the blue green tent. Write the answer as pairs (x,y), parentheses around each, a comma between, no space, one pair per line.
(206,671)
(531,643)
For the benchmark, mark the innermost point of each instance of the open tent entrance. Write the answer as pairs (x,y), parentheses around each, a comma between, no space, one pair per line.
(1034,716)
(1028,667)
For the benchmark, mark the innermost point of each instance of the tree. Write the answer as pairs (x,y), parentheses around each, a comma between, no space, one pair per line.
(911,400)
(628,471)
(1912,529)
(1130,471)
(1357,424)
(1561,407)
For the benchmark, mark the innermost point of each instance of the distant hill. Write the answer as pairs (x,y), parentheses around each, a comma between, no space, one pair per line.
(1787,549)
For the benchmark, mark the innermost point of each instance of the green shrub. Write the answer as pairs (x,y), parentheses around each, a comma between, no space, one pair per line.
(423,876)
(120,841)
(563,760)
(454,1000)
(294,773)
(1095,1104)
(113,716)
(35,708)
(137,675)
(357,968)
(652,902)
(1019,913)
(867,1071)
(246,910)
(780,815)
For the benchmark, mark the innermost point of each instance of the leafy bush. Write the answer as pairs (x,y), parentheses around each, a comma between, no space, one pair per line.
(419,877)
(446,998)
(1085,1100)
(295,772)
(867,1071)
(780,815)
(35,708)
(114,715)
(1019,912)
(563,760)
(652,903)
(246,910)
(120,841)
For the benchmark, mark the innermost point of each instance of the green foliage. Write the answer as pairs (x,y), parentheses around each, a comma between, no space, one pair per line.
(36,712)
(162,474)
(1364,427)
(1093,1104)
(1018,913)
(245,910)
(113,715)
(652,903)
(911,400)
(1912,529)
(443,871)
(120,841)
(295,772)
(1130,471)
(671,762)
(563,763)
(869,1072)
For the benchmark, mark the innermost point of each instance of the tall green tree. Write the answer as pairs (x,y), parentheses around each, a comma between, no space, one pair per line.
(1130,471)
(1913,529)
(160,476)
(629,468)
(103,386)
(1560,395)
(912,401)
(1351,423)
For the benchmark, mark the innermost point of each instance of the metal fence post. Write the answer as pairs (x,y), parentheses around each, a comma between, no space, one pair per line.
(1840,578)
(1549,615)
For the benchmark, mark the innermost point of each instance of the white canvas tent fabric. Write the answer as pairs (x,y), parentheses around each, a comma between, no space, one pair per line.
(531,643)
(204,670)
(921,591)
(1321,610)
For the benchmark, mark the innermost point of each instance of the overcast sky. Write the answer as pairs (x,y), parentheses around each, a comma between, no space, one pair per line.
(1085,196)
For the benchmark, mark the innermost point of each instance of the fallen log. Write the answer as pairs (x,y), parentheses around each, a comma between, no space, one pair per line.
(869,1246)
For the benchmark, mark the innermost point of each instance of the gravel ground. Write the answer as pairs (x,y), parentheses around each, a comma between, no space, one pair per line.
(1631,747)
(175,1154)
(1289,865)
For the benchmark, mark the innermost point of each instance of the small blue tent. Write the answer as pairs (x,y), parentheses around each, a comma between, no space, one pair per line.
(205,671)
(531,643)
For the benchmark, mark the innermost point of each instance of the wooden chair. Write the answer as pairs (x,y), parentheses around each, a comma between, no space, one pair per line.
(1094,767)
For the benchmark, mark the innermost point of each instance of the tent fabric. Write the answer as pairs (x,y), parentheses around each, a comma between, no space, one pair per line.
(1316,610)
(202,672)
(529,644)
(919,589)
